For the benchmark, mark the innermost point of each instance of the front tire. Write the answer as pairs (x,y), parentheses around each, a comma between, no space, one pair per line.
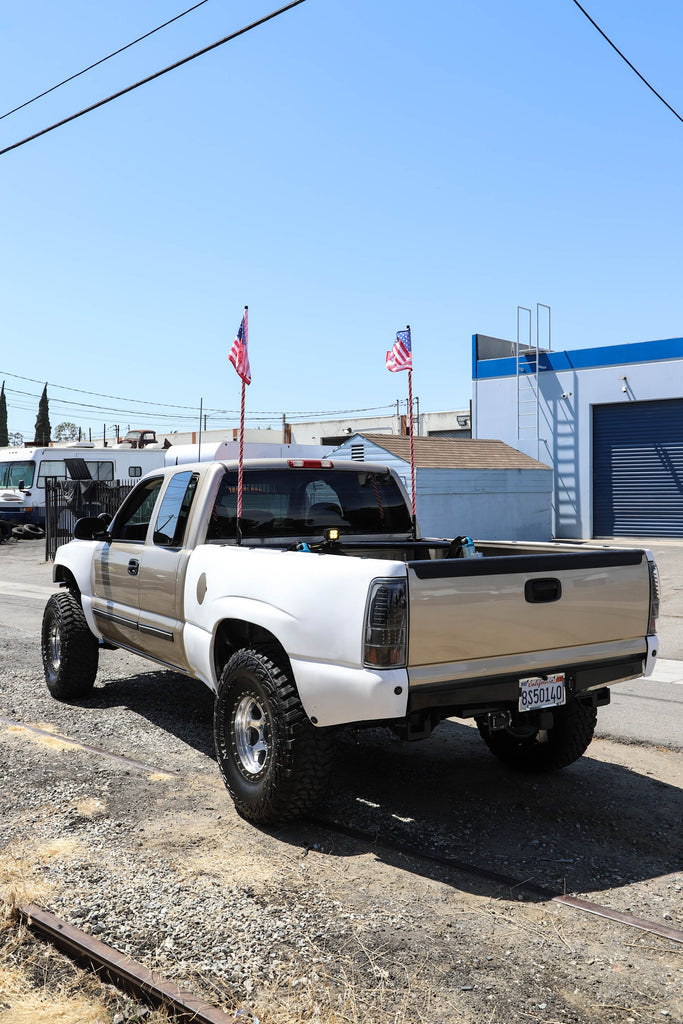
(274,763)
(70,651)
(544,750)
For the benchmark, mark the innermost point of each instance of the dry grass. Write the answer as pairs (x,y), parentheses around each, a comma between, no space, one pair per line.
(21,877)
(20,1003)
(90,807)
(383,991)
(39,985)
(42,739)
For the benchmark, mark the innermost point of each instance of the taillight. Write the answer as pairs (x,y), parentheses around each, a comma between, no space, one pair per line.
(386,625)
(654,597)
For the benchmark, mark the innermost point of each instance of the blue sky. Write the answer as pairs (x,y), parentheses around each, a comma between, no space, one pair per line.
(350,167)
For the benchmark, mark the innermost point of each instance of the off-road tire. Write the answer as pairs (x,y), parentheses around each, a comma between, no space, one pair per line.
(274,763)
(545,751)
(70,651)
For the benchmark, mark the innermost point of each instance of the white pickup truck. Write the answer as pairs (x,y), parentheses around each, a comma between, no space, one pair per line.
(323,607)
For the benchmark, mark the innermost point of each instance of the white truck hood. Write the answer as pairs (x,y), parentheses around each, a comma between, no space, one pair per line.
(16,497)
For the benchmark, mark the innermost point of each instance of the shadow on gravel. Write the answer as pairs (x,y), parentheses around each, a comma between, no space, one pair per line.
(591,827)
(173,702)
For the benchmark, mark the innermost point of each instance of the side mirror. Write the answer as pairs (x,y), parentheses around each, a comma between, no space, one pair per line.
(90,529)
(105,518)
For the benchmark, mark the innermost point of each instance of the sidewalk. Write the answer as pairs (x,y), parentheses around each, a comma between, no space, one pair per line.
(667,671)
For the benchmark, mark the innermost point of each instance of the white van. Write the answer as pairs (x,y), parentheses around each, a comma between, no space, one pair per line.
(23,472)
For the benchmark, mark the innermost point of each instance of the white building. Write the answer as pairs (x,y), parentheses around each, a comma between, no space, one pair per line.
(609,421)
(453,423)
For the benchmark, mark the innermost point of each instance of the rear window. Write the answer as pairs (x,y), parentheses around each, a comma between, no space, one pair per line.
(304,502)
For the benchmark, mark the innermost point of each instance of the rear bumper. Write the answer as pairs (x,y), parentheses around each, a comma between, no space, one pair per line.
(474,688)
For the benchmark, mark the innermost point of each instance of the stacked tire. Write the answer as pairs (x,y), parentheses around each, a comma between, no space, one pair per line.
(27,531)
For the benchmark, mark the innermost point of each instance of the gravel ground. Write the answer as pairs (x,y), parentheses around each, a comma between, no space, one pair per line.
(307,923)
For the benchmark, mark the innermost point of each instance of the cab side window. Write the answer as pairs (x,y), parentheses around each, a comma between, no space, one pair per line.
(133,520)
(169,529)
(51,467)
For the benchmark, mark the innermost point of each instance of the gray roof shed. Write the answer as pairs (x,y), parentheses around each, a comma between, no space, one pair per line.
(484,488)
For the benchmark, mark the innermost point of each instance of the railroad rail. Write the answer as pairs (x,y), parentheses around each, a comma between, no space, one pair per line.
(474,870)
(120,969)
(128,761)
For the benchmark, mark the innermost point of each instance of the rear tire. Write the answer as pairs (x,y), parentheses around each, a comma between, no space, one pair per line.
(70,651)
(545,750)
(274,763)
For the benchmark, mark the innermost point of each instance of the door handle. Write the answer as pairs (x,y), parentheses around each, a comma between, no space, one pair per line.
(133,567)
(542,591)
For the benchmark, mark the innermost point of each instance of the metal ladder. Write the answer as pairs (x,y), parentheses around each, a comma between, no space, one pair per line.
(527,368)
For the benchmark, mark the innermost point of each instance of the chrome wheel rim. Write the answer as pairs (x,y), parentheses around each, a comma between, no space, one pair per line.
(251,733)
(54,647)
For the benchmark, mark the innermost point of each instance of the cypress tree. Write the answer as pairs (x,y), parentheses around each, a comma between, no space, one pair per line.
(4,436)
(42,438)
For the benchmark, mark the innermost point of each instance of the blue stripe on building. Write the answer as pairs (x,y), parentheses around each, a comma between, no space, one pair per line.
(581,359)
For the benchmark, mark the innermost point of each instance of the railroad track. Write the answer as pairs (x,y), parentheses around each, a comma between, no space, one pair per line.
(507,881)
(121,970)
(68,741)
(147,985)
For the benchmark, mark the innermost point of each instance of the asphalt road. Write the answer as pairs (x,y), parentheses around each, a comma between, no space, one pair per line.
(642,711)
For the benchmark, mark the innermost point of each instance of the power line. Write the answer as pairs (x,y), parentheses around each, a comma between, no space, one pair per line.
(160,406)
(102,60)
(634,69)
(95,394)
(150,78)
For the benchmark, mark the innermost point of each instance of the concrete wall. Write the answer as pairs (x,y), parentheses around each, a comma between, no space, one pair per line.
(429,422)
(313,432)
(570,384)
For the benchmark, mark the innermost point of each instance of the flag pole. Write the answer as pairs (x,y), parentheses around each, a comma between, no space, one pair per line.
(240,468)
(412,448)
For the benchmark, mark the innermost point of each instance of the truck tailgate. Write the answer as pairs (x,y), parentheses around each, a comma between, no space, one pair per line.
(477,608)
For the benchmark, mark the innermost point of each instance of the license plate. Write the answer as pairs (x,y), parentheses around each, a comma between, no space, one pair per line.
(538,692)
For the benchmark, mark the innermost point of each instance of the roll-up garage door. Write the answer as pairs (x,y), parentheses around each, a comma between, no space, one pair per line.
(638,469)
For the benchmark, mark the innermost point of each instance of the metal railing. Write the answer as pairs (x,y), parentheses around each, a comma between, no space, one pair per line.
(66,501)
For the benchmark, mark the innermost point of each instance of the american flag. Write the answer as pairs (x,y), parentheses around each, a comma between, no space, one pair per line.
(401,355)
(239,356)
